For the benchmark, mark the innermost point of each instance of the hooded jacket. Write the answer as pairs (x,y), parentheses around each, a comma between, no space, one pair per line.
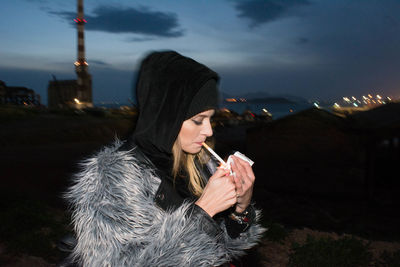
(126,210)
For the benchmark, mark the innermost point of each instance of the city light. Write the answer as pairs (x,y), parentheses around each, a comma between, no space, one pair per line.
(265,111)
(78,20)
(367,101)
(78,63)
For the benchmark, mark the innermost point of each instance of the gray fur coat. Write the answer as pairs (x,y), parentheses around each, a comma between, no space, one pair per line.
(117,222)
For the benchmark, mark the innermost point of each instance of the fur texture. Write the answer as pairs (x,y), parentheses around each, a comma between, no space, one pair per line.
(117,222)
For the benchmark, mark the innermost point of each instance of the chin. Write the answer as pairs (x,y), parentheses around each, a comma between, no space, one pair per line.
(192,150)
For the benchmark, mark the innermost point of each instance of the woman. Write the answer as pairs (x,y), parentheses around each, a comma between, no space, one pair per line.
(152,200)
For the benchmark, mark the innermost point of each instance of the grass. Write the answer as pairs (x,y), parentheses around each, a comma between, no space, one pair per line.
(276,232)
(31,227)
(327,252)
(27,126)
(390,259)
(12,112)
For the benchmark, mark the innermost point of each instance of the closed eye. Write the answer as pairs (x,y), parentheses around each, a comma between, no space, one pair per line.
(197,122)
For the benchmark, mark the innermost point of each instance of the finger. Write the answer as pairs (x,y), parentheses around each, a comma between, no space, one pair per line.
(220,172)
(230,180)
(238,183)
(240,161)
(231,193)
(236,168)
(241,171)
(247,170)
(233,201)
(237,178)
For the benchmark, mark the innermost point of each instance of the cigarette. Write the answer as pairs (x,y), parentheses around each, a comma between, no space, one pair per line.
(215,154)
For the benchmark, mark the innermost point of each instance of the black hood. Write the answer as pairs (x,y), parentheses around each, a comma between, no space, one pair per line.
(166,85)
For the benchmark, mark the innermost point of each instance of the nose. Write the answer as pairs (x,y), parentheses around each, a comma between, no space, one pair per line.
(207,129)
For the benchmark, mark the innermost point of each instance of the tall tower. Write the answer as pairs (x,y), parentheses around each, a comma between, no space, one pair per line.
(84,81)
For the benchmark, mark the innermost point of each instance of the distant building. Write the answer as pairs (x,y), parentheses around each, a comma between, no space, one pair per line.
(74,93)
(68,94)
(18,95)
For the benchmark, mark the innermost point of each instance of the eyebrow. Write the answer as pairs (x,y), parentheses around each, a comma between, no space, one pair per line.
(204,116)
(201,116)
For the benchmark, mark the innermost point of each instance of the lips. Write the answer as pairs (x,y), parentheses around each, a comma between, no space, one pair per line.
(200,143)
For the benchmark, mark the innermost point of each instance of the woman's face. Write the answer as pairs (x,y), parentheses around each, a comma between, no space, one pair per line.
(194,131)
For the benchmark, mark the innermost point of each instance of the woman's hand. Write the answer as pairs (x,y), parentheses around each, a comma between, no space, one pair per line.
(219,193)
(244,181)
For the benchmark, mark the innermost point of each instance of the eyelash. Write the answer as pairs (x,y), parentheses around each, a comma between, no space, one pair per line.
(197,122)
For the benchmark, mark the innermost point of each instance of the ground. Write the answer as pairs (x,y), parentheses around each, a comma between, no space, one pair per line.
(39,154)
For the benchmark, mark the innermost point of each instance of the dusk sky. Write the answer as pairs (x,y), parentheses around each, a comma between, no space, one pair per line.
(317,49)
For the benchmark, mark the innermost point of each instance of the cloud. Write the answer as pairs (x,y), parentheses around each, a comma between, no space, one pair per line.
(129,20)
(264,11)
(141,39)
(99,62)
(37,1)
(302,40)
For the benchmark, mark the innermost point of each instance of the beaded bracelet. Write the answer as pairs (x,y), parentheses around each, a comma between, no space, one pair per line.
(241,218)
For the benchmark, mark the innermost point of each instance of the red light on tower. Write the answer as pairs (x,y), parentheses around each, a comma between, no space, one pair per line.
(78,20)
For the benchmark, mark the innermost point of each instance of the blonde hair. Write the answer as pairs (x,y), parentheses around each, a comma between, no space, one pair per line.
(186,162)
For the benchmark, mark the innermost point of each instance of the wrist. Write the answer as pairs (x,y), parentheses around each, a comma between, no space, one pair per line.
(241,219)
(239,209)
(205,207)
